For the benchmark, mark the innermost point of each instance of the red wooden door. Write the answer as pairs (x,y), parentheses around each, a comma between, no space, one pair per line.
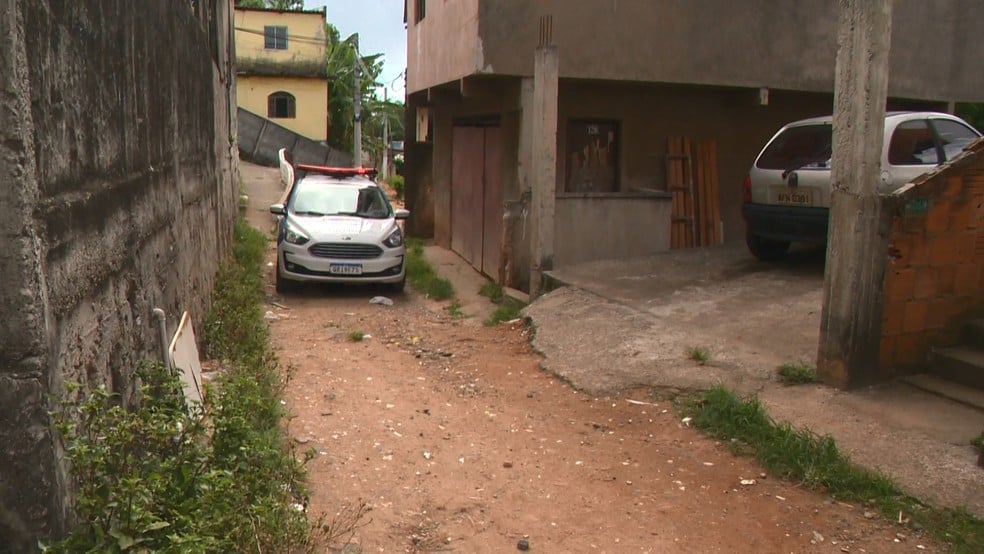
(467,197)
(492,224)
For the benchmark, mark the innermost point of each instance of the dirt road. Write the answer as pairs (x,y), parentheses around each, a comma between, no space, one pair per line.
(455,440)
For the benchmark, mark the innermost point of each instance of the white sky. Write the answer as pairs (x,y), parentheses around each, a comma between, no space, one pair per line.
(381,31)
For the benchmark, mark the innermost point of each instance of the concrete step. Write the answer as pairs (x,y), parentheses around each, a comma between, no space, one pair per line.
(974,333)
(963,394)
(961,364)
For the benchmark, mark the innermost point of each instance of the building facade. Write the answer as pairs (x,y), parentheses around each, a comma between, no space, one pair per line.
(281,73)
(542,133)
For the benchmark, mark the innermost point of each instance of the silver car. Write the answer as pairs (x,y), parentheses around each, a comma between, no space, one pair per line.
(338,226)
(787,190)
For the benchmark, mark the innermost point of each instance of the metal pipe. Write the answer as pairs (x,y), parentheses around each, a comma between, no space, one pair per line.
(161,318)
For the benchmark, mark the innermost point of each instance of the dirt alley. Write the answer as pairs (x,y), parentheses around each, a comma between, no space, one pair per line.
(455,440)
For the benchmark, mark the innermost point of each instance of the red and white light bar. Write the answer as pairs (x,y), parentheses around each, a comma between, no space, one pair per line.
(337,171)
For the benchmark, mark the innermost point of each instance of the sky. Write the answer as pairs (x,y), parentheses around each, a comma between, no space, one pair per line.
(381,31)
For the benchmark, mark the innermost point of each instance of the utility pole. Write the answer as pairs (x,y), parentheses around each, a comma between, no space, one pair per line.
(850,321)
(357,107)
(386,135)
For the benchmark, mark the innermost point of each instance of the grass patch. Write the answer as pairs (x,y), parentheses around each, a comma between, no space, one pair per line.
(454,309)
(978,443)
(421,274)
(796,374)
(508,308)
(221,477)
(815,461)
(699,354)
(356,336)
(493,291)
(507,311)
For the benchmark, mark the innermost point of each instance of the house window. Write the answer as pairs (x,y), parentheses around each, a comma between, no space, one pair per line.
(281,105)
(420,10)
(275,37)
(592,156)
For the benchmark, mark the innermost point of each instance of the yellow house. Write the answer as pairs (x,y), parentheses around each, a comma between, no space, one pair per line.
(281,74)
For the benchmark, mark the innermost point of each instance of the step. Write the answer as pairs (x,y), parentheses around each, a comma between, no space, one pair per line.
(956,392)
(961,364)
(974,333)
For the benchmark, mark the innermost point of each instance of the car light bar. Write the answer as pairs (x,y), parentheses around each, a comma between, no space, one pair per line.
(337,171)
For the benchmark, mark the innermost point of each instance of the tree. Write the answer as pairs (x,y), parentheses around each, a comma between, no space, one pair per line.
(341,56)
(294,5)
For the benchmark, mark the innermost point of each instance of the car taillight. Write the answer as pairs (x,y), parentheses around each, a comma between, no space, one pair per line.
(746,189)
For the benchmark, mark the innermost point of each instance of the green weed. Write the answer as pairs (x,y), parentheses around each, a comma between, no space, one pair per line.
(699,354)
(356,336)
(493,291)
(796,374)
(815,461)
(421,274)
(221,477)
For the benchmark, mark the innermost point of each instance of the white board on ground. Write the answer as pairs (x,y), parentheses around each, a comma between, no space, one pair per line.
(184,358)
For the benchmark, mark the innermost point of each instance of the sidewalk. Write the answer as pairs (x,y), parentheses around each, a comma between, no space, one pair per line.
(631,323)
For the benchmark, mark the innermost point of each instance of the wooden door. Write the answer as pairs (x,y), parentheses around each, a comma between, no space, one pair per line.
(492,224)
(467,194)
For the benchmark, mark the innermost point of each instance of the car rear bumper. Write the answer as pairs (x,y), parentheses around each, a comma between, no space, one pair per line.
(789,223)
(297,265)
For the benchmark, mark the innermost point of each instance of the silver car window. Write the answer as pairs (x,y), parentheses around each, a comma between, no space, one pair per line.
(913,144)
(954,136)
(799,147)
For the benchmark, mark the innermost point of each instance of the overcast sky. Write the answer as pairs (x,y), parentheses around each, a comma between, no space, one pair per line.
(380,27)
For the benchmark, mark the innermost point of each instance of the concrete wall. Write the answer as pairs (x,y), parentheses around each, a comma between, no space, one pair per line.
(260,141)
(115,124)
(599,227)
(935,274)
(753,43)
(445,44)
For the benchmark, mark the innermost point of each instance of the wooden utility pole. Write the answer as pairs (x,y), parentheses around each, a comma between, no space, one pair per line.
(850,322)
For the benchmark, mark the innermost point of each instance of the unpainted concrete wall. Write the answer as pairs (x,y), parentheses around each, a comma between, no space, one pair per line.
(115,127)
(445,44)
(935,274)
(260,140)
(753,43)
(602,227)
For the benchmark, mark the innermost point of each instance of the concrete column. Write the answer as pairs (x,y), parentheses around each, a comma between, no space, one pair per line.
(851,317)
(544,162)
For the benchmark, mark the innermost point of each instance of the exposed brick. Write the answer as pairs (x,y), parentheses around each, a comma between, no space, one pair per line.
(943,250)
(919,250)
(900,248)
(961,215)
(925,285)
(886,352)
(914,317)
(899,284)
(966,243)
(938,314)
(945,278)
(938,218)
(892,317)
(911,349)
(967,279)
(954,186)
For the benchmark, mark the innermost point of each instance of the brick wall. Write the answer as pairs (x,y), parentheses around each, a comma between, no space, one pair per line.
(935,275)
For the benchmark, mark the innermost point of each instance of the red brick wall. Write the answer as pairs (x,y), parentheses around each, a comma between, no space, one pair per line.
(935,274)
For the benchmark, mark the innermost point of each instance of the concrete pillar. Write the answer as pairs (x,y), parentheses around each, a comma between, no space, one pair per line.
(544,162)
(851,317)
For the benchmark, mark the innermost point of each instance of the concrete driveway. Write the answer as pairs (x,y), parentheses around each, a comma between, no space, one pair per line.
(750,316)
(621,324)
